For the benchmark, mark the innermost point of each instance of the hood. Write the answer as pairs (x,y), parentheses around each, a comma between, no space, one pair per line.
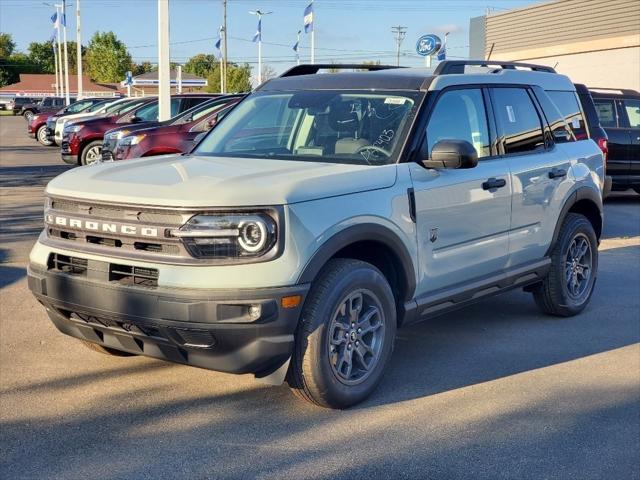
(199,181)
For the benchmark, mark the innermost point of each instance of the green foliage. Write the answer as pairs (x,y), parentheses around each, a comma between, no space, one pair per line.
(140,68)
(41,55)
(107,58)
(201,65)
(238,78)
(7,45)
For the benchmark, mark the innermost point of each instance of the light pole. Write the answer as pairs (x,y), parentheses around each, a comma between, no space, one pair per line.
(258,36)
(164,65)
(78,49)
(66,53)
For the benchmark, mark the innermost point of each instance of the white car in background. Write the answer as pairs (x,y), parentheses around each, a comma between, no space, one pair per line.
(55,125)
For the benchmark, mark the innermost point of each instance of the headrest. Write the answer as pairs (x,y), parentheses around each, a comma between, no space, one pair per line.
(342,118)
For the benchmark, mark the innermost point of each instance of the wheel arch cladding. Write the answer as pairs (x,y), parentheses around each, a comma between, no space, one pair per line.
(585,201)
(373,244)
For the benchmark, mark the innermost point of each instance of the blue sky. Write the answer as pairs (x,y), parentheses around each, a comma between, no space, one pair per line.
(346,30)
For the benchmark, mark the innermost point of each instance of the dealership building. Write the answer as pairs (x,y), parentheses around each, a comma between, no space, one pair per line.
(595,42)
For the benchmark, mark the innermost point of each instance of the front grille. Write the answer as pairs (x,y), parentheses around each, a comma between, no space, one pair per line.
(133,276)
(125,231)
(67,264)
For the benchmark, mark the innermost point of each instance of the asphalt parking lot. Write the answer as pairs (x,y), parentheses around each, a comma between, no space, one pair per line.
(493,391)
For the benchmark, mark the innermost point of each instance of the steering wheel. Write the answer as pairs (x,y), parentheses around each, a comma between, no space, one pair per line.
(375,150)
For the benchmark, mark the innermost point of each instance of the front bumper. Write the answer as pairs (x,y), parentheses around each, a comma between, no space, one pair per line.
(204,328)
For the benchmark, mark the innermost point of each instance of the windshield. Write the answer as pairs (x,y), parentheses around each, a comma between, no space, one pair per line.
(98,105)
(199,111)
(319,126)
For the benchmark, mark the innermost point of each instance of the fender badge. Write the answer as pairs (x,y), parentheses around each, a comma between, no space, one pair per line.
(433,234)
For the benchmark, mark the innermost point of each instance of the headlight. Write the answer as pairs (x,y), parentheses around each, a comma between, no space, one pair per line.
(132,140)
(229,236)
(73,128)
(117,135)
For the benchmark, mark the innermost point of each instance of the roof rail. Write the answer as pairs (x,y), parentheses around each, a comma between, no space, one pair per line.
(624,91)
(457,66)
(307,69)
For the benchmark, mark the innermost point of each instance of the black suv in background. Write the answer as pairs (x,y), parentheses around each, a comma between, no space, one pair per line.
(48,104)
(16,104)
(619,114)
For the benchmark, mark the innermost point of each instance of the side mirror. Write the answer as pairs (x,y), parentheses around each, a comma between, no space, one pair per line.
(452,154)
(135,119)
(212,122)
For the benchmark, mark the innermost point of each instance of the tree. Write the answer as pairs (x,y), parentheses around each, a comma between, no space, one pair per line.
(238,78)
(107,58)
(201,65)
(268,73)
(7,45)
(140,68)
(41,54)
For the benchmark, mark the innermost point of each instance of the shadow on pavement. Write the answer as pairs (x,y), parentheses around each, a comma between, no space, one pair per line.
(30,176)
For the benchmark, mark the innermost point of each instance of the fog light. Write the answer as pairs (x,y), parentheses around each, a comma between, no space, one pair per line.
(255,311)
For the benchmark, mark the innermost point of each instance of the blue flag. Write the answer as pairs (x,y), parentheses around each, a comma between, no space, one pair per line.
(308,18)
(54,20)
(258,35)
(295,46)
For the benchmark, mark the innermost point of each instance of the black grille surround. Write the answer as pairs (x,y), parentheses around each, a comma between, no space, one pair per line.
(138,232)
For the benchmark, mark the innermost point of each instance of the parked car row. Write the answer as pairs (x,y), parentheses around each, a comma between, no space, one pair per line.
(79,129)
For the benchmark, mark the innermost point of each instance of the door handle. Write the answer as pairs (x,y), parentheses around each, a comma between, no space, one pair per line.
(557,173)
(494,183)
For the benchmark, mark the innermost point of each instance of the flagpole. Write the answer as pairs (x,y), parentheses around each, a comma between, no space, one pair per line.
(55,63)
(260,59)
(298,48)
(58,8)
(79,49)
(66,53)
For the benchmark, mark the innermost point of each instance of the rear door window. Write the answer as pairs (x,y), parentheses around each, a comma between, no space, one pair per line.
(518,121)
(567,103)
(606,110)
(632,109)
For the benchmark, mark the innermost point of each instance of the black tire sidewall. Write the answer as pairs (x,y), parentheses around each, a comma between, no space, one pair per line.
(338,394)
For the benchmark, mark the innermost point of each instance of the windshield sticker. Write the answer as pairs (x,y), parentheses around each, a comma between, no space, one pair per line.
(394,100)
(510,114)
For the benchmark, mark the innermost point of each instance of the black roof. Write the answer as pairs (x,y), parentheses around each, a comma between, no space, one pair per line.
(388,79)
(598,92)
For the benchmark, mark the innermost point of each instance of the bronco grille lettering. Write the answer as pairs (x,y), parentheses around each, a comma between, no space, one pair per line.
(108,227)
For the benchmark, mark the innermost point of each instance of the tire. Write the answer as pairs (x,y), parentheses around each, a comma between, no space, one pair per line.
(28,115)
(41,135)
(106,350)
(88,155)
(319,370)
(566,291)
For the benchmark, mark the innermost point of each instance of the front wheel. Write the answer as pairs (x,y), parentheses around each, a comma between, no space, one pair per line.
(41,135)
(28,115)
(345,336)
(574,266)
(91,153)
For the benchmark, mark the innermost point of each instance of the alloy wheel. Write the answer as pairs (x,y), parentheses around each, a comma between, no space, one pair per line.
(578,266)
(356,336)
(93,155)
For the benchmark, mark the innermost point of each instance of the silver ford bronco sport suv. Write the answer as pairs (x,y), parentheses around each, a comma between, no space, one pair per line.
(322,214)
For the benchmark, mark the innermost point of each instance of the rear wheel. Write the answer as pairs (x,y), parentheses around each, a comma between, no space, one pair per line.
(91,153)
(106,350)
(41,135)
(28,115)
(345,336)
(574,265)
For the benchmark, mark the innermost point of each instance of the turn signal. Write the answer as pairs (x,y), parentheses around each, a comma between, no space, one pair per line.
(291,302)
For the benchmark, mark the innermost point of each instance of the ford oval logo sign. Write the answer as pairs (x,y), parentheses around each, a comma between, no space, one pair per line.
(428,45)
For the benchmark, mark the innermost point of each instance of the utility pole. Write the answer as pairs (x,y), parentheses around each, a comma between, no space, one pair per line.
(224,44)
(164,65)
(399,33)
(66,53)
(55,61)
(79,49)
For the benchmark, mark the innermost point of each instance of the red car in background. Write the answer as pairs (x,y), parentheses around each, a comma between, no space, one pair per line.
(175,136)
(37,123)
(82,140)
